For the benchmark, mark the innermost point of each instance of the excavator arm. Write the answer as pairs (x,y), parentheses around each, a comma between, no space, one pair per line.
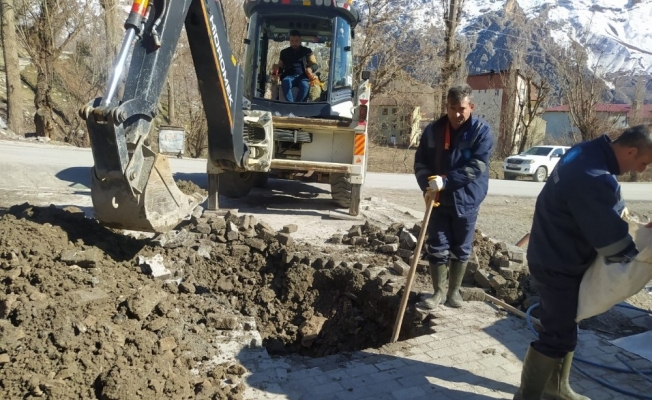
(132,186)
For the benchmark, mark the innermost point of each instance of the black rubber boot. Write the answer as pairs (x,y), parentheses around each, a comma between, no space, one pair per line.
(558,386)
(438,274)
(455,276)
(537,369)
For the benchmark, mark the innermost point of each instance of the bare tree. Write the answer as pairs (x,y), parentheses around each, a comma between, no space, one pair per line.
(583,89)
(49,26)
(452,55)
(14,86)
(382,45)
(531,107)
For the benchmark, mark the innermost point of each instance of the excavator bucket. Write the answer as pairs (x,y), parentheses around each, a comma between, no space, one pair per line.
(160,207)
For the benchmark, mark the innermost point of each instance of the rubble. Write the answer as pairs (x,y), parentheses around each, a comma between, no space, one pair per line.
(495,266)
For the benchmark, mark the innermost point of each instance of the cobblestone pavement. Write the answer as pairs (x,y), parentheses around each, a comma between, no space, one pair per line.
(475,353)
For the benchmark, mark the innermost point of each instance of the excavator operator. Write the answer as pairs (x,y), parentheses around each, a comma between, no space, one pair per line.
(297,64)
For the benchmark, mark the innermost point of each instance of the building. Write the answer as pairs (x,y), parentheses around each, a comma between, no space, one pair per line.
(393,122)
(559,125)
(501,105)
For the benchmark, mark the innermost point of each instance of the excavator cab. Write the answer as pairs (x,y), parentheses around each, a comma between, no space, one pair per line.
(327,28)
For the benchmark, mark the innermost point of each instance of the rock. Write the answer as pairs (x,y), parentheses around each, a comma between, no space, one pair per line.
(359,240)
(142,303)
(204,228)
(403,253)
(377,243)
(257,244)
(389,248)
(4,358)
(356,230)
(401,268)
(264,226)
(497,282)
(239,250)
(482,278)
(516,254)
(157,324)
(154,266)
(409,239)
(310,329)
(7,305)
(508,295)
(187,287)
(336,238)
(508,273)
(222,321)
(217,225)
(246,222)
(391,239)
(167,343)
(83,258)
(472,294)
(290,228)
(232,216)
(285,239)
(204,251)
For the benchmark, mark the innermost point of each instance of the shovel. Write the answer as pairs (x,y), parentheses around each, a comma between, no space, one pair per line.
(413,267)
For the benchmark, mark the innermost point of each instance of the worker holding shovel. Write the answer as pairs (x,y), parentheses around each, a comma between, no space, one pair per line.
(452,160)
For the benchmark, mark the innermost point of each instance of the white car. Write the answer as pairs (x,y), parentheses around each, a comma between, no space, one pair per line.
(537,162)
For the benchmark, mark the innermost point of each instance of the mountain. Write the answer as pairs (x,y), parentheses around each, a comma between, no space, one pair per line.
(616,33)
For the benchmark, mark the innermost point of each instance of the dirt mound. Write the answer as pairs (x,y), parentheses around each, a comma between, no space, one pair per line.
(89,312)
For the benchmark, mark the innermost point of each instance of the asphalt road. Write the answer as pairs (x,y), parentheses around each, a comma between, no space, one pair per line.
(52,167)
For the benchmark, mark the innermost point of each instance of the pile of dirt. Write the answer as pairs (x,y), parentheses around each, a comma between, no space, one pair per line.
(89,312)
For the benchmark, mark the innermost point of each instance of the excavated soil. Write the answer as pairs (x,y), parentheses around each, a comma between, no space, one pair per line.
(81,315)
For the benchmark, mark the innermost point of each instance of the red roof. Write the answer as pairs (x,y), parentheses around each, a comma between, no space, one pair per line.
(611,108)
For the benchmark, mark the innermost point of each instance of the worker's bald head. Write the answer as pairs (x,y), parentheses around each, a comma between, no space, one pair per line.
(633,148)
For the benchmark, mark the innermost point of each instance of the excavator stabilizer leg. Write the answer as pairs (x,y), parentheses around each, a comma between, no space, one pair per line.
(160,207)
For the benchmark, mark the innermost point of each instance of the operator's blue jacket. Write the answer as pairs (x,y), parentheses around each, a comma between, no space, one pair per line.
(578,214)
(464,166)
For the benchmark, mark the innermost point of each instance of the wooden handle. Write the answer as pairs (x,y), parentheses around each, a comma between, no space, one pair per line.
(413,270)
(511,309)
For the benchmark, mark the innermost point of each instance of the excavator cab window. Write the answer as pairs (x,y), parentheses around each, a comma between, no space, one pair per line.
(328,32)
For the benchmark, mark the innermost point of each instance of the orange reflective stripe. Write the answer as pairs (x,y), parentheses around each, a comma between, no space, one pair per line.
(447,137)
(358,144)
(139,7)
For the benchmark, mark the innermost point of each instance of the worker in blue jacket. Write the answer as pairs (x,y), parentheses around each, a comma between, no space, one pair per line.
(452,160)
(576,218)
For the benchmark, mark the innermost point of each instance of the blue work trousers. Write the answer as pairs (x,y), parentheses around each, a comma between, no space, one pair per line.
(558,296)
(449,235)
(298,81)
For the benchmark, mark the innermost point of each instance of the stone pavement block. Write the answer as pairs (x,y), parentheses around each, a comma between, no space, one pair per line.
(494,361)
(408,393)
(382,388)
(390,364)
(384,376)
(304,373)
(360,369)
(337,374)
(411,381)
(351,394)
(467,356)
(443,352)
(512,368)
(325,389)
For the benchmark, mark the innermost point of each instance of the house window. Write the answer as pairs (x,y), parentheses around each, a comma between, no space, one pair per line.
(497,91)
(384,111)
(394,110)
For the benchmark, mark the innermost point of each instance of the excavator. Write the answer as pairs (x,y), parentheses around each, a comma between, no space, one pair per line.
(253,131)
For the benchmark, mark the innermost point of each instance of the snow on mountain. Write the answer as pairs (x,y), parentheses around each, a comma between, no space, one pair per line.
(618,33)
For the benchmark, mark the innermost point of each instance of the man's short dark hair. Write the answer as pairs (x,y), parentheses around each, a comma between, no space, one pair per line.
(458,93)
(295,32)
(639,137)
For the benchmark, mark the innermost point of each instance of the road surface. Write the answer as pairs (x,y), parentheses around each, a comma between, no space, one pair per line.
(51,167)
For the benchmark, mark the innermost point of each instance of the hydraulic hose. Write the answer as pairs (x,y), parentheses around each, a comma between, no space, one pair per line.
(628,370)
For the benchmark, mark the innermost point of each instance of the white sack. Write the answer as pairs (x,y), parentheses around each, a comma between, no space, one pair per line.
(605,285)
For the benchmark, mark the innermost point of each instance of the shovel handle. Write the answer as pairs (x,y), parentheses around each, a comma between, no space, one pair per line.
(413,268)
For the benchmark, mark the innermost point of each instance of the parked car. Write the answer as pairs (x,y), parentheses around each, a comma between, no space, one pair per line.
(537,162)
